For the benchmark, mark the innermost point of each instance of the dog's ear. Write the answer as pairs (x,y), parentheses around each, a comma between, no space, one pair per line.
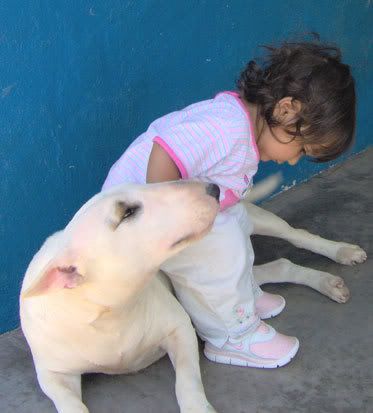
(58,274)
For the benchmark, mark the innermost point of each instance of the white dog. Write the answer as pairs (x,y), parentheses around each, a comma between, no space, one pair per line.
(90,300)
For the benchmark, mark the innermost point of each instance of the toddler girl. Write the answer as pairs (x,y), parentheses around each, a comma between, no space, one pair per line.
(300,101)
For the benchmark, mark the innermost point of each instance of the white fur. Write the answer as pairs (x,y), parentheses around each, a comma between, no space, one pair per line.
(91,300)
(267,223)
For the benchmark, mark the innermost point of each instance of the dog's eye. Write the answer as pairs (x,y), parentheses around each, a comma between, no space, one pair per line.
(129,211)
(124,211)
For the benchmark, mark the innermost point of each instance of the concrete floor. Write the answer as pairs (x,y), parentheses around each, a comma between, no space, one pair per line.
(333,371)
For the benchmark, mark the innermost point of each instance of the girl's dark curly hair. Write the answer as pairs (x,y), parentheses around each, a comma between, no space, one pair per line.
(313,74)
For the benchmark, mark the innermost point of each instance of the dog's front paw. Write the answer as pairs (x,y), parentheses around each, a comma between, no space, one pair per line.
(349,254)
(335,288)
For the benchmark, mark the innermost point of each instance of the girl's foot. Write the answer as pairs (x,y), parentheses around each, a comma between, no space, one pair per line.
(269,305)
(263,348)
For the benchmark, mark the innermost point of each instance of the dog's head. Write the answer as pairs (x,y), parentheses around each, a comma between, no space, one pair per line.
(121,236)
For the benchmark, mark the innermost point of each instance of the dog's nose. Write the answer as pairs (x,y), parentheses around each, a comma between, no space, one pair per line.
(213,190)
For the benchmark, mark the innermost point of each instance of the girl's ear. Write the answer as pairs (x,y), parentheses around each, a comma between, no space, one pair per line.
(286,110)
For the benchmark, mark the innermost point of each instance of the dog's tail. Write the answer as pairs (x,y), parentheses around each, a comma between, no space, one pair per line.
(264,188)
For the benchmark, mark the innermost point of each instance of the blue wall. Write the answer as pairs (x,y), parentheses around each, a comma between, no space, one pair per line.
(80,79)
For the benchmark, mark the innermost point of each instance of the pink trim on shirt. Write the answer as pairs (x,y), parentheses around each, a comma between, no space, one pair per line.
(253,137)
(173,156)
(229,199)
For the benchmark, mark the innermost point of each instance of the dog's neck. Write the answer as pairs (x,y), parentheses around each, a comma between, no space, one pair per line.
(92,302)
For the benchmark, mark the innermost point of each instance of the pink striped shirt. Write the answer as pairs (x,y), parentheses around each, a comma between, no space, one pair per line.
(210,141)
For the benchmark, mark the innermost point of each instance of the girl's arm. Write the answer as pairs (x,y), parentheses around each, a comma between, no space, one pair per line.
(161,167)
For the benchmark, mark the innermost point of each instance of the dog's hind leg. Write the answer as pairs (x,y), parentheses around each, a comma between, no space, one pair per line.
(267,223)
(283,270)
(182,348)
(63,389)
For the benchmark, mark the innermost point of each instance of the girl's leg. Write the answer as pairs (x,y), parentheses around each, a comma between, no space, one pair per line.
(213,281)
(266,305)
(213,278)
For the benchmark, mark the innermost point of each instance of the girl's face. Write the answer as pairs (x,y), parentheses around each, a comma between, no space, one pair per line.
(278,146)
